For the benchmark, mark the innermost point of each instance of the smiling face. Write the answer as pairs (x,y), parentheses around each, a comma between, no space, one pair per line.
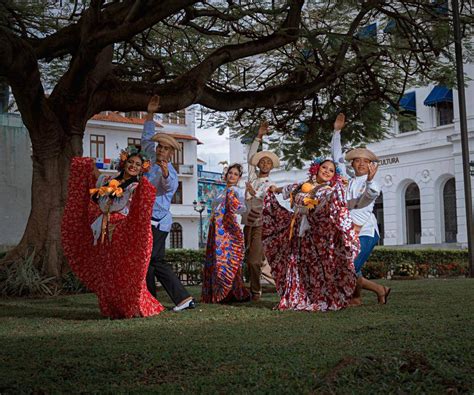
(326,172)
(233,176)
(133,166)
(361,166)
(265,165)
(164,152)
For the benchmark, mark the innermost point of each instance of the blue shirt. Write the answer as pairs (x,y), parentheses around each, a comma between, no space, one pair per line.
(165,187)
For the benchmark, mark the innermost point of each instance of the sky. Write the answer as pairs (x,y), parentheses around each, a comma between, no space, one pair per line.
(214,149)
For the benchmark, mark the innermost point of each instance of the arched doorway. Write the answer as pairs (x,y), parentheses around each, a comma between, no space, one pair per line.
(378,211)
(413,214)
(176,236)
(450,214)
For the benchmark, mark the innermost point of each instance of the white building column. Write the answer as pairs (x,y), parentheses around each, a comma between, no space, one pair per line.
(427,210)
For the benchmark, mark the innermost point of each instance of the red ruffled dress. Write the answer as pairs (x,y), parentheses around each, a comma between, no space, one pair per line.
(114,269)
(311,251)
(222,273)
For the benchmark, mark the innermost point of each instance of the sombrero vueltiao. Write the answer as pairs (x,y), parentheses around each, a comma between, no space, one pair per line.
(255,158)
(166,139)
(361,153)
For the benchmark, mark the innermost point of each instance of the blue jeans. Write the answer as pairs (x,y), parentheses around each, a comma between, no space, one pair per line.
(367,244)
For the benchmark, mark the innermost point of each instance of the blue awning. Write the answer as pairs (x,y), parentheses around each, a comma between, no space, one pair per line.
(408,102)
(439,94)
(368,32)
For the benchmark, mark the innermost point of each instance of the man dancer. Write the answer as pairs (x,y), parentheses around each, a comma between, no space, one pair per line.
(363,161)
(256,189)
(165,179)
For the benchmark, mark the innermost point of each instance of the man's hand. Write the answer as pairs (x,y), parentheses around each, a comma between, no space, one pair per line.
(340,121)
(164,167)
(250,189)
(263,129)
(357,229)
(373,167)
(154,104)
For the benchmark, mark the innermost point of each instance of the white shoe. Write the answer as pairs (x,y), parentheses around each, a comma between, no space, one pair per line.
(190,304)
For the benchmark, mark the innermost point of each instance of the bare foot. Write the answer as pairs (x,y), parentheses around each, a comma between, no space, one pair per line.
(354,302)
(384,297)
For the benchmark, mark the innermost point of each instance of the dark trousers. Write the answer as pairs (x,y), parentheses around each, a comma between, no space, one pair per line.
(162,271)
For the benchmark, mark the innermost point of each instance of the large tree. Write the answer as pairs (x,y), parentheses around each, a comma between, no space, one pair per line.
(296,62)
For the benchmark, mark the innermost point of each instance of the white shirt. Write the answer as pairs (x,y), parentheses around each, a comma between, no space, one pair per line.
(253,214)
(360,191)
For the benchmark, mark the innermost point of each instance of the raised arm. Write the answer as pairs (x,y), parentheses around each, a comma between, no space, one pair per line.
(262,131)
(148,145)
(336,146)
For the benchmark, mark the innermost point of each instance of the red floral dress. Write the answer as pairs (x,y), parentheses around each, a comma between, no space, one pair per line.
(114,270)
(311,251)
(222,273)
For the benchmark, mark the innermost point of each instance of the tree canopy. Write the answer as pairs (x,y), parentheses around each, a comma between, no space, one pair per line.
(295,62)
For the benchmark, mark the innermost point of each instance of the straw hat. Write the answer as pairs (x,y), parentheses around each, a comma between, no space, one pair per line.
(166,139)
(255,158)
(361,153)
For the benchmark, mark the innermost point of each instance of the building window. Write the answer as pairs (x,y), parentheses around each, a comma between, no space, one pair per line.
(413,214)
(444,113)
(407,121)
(176,236)
(133,114)
(97,146)
(378,211)
(178,157)
(178,196)
(134,141)
(450,214)
(175,118)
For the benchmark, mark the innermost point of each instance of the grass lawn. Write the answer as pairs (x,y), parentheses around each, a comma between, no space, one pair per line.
(421,342)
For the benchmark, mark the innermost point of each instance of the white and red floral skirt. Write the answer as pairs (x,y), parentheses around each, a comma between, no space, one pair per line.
(314,272)
(114,270)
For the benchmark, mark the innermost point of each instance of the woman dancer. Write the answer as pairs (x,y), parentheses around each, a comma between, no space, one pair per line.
(312,250)
(222,273)
(107,239)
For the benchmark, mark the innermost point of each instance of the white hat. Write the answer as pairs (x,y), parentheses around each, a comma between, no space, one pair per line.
(166,139)
(255,158)
(361,153)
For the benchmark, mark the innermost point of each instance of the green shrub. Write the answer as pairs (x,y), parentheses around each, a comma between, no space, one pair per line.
(375,270)
(23,278)
(405,270)
(421,262)
(187,264)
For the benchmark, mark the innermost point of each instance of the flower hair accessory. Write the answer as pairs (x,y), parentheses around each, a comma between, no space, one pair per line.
(131,150)
(316,164)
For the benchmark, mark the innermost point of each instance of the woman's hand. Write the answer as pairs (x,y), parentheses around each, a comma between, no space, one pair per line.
(275,189)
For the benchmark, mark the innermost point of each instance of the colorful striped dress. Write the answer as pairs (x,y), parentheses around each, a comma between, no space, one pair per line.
(222,273)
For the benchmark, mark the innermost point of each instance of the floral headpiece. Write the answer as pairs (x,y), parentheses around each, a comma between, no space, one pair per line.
(316,164)
(131,150)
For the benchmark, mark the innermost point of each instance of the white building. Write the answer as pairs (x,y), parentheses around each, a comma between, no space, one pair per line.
(420,172)
(108,133)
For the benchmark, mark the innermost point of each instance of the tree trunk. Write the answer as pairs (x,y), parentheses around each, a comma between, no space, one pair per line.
(48,196)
